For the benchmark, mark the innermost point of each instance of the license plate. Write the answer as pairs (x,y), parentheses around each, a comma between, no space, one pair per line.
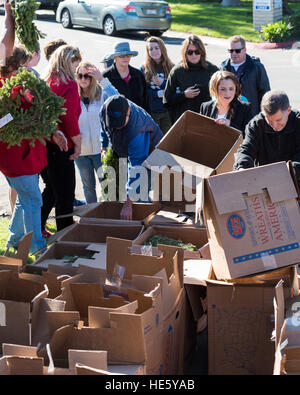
(151,12)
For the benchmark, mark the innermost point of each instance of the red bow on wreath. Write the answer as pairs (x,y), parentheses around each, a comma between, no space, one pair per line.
(25,96)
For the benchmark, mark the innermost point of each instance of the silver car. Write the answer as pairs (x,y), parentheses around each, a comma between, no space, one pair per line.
(115,15)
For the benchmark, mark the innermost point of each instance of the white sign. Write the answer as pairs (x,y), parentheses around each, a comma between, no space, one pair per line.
(4,120)
(262,5)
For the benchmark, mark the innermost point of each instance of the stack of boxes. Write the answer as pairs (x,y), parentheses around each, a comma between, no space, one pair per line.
(140,309)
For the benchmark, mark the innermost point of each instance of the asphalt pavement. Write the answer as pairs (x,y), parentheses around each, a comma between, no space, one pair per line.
(282,65)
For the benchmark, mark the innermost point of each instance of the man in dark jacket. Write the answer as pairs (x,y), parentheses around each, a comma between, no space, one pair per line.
(132,134)
(272,136)
(128,80)
(250,72)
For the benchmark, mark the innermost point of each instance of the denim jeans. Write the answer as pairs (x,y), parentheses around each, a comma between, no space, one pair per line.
(27,212)
(87,165)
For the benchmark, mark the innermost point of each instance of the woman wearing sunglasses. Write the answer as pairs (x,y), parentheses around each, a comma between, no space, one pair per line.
(59,175)
(93,91)
(227,106)
(187,84)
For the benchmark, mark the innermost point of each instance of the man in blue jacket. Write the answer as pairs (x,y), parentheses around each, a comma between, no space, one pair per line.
(132,134)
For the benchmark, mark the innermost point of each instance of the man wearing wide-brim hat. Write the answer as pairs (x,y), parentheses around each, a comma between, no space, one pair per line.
(128,80)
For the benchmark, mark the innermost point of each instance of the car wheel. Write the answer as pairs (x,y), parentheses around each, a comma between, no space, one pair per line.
(109,26)
(156,33)
(66,19)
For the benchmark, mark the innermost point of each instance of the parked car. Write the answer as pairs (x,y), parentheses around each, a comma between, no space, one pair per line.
(115,15)
(48,4)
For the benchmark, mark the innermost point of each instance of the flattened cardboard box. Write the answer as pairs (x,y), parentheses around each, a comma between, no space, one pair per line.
(165,263)
(109,212)
(241,322)
(194,235)
(198,145)
(253,221)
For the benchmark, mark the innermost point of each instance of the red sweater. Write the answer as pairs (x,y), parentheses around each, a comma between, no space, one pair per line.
(69,121)
(23,160)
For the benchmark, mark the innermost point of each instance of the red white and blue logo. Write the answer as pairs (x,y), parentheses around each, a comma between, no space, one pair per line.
(236,226)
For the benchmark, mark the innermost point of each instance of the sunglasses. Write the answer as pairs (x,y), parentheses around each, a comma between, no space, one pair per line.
(191,51)
(85,76)
(235,50)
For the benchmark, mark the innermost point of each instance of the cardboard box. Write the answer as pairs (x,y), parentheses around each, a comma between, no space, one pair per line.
(166,263)
(61,253)
(241,321)
(23,360)
(130,332)
(23,305)
(198,145)
(141,298)
(195,235)
(109,212)
(253,221)
(92,233)
(170,216)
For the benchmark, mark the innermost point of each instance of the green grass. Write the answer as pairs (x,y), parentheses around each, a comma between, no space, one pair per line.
(4,233)
(212,19)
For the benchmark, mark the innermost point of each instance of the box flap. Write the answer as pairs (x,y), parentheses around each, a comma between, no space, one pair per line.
(91,358)
(197,271)
(228,188)
(98,317)
(278,311)
(19,350)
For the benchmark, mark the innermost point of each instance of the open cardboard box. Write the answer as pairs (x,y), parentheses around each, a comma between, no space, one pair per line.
(253,220)
(23,304)
(109,212)
(24,360)
(97,233)
(187,234)
(70,255)
(241,320)
(170,216)
(198,145)
(130,329)
(166,263)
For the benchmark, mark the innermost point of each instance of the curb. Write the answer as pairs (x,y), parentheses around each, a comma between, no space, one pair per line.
(264,45)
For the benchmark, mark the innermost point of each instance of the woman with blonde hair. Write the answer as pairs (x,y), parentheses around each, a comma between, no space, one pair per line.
(93,91)
(187,84)
(59,175)
(156,69)
(227,107)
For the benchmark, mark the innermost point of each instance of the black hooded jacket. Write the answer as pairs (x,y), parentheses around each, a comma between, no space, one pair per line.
(263,145)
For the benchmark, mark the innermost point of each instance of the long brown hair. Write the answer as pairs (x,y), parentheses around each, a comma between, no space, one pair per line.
(94,88)
(197,42)
(214,83)
(151,66)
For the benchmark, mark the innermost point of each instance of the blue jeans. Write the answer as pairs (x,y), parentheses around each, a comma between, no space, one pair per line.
(27,213)
(87,165)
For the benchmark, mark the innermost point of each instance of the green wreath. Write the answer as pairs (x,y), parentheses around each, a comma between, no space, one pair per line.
(26,31)
(35,109)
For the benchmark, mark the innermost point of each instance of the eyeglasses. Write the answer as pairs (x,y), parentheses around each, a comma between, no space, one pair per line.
(85,76)
(191,51)
(238,50)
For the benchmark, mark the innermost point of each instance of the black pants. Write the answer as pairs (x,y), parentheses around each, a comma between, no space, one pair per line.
(59,192)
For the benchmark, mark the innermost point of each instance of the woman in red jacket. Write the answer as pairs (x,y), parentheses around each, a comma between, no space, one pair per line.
(59,175)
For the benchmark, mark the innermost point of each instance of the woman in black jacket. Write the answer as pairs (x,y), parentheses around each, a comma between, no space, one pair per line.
(187,84)
(227,107)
